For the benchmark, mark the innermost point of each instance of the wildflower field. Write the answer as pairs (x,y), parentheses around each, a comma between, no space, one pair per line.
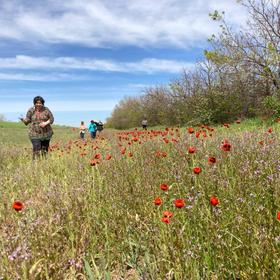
(167,203)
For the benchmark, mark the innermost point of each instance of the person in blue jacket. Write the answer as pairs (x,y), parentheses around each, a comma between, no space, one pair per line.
(92,129)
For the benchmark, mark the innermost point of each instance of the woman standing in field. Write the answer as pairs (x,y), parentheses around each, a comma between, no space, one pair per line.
(82,130)
(40,131)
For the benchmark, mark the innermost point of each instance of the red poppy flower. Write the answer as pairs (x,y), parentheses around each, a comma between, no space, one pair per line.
(97,156)
(269,130)
(166,140)
(94,162)
(18,206)
(167,214)
(226,146)
(164,187)
(211,160)
(214,200)
(164,154)
(108,157)
(278,215)
(158,201)
(190,130)
(197,170)
(158,153)
(165,220)
(261,142)
(179,203)
(192,150)
(238,121)
(226,125)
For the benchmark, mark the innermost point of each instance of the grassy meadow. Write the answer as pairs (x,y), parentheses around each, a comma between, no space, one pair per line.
(166,203)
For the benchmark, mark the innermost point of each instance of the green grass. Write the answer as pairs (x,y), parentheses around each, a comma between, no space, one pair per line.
(99,222)
(16,134)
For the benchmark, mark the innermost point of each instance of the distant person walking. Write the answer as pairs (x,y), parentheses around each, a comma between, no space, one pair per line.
(40,131)
(82,130)
(92,129)
(99,126)
(144,123)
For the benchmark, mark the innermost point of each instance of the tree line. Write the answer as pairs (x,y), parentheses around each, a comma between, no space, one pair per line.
(239,77)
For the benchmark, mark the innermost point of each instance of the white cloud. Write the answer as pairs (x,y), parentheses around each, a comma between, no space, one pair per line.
(80,105)
(107,23)
(149,65)
(51,77)
(61,105)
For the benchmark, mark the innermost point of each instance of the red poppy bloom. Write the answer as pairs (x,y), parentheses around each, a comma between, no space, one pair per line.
(18,206)
(97,156)
(238,121)
(190,130)
(261,142)
(197,170)
(166,140)
(93,162)
(179,203)
(269,130)
(214,200)
(164,187)
(278,215)
(165,220)
(158,153)
(226,125)
(192,150)
(158,201)
(212,160)
(130,154)
(164,154)
(167,214)
(108,157)
(226,146)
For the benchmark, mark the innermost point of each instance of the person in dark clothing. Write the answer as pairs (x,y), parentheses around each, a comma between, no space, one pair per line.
(99,126)
(144,123)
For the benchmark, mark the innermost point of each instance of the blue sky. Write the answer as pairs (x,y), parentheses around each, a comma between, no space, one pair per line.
(84,56)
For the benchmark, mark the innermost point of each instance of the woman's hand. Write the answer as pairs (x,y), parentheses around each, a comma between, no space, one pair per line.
(22,119)
(43,124)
